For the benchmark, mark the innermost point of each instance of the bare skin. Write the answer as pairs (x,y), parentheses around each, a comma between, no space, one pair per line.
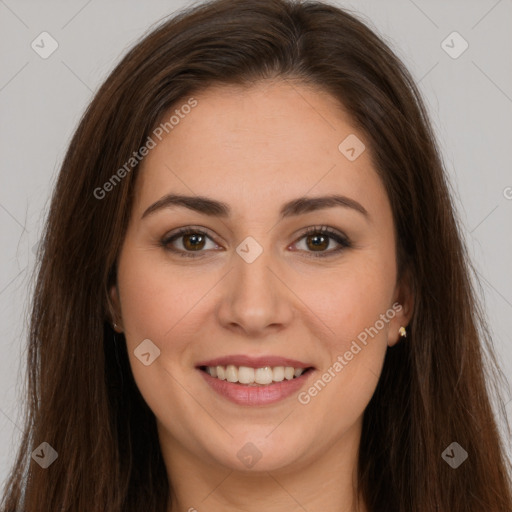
(255,150)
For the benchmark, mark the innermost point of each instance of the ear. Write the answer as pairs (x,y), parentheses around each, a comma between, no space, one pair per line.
(114,305)
(403,305)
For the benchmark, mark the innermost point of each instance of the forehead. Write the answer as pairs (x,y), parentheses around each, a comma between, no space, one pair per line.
(271,139)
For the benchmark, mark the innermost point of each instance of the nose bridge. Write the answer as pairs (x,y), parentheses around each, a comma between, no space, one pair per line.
(255,298)
(253,278)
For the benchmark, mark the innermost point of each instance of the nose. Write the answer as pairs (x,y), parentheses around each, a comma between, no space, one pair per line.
(256,299)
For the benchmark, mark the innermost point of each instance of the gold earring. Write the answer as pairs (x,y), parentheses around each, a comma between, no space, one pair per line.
(402,332)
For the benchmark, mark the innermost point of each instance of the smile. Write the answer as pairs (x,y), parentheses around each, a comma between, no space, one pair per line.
(245,375)
(255,381)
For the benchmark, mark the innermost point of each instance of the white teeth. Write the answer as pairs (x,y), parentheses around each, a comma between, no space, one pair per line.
(278,374)
(289,373)
(263,375)
(251,376)
(231,373)
(245,375)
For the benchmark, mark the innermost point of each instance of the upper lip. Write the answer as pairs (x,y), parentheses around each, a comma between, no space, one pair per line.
(254,362)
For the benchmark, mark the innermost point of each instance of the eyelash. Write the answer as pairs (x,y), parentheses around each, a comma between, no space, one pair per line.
(313,230)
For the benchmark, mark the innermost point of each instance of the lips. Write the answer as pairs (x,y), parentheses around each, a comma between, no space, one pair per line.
(255,381)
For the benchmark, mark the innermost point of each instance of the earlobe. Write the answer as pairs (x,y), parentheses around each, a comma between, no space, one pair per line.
(115,309)
(398,331)
(399,326)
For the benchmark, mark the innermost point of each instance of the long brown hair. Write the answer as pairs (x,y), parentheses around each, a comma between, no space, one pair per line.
(435,389)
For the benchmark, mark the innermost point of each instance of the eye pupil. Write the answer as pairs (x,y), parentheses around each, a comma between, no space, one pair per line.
(316,243)
(195,238)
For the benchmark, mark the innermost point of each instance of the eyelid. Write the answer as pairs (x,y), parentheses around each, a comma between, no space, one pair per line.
(339,237)
(178,233)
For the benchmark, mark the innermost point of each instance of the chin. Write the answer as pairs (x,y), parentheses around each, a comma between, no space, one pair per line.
(254,453)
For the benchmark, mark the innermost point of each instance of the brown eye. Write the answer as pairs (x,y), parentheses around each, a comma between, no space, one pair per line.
(193,241)
(318,238)
(318,241)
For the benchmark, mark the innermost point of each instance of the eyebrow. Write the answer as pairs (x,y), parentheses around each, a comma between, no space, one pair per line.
(212,207)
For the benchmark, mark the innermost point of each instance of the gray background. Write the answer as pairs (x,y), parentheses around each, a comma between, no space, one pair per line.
(41,101)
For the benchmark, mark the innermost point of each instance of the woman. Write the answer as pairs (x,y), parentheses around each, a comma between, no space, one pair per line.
(253,291)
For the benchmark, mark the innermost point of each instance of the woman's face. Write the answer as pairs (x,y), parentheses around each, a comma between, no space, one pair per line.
(250,288)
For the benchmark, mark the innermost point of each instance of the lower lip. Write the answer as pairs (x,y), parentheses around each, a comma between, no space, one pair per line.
(256,395)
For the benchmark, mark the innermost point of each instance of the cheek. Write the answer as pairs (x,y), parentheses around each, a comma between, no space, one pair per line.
(156,298)
(350,300)
(155,304)
(350,303)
